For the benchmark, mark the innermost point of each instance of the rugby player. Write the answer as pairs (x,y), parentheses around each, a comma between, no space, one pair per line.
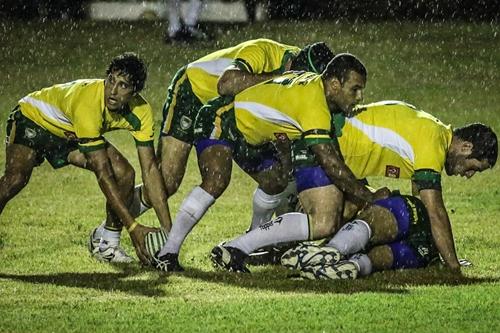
(224,72)
(395,232)
(300,106)
(64,124)
(391,139)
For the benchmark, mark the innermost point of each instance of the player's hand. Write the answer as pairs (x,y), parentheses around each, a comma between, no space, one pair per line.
(137,236)
(381,193)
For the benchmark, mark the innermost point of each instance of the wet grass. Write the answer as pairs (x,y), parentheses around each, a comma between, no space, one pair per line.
(48,282)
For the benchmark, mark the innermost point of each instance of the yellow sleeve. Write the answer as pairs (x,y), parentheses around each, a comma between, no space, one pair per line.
(431,152)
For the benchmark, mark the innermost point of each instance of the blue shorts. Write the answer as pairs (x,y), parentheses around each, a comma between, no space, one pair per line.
(405,256)
(311,177)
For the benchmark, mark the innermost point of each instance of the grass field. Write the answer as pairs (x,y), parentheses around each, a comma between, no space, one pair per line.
(48,283)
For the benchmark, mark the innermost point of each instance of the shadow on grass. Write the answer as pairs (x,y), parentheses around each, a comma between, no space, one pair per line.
(392,282)
(112,281)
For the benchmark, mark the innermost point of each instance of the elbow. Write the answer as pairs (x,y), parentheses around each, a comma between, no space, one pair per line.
(223,87)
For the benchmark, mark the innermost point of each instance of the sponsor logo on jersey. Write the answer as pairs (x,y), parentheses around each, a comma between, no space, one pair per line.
(185,122)
(392,171)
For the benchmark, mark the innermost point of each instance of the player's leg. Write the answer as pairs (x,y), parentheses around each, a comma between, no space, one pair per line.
(176,139)
(19,163)
(215,163)
(104,240)
(174,154)
(322,204)
(380,223)
(264,165)
(23,146)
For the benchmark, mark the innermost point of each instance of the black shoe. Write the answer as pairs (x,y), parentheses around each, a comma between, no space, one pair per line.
(179,36)
(196,35)
(229,258)
(269,255)
(167,263)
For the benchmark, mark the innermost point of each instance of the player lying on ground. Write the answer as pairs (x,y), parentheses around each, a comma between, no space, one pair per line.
(225,72)
(65,123)
(395,232)
(385,139)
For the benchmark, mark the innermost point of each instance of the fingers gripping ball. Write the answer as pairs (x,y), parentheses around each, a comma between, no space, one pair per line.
(154,241)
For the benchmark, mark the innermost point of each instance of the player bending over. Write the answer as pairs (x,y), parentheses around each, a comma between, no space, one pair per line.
(64,124)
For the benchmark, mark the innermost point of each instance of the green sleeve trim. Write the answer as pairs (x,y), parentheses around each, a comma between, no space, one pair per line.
(315,141)
(243,65)
(144,143)
(286,57)
(88,149)
(338,120)
(426,179)
(133,120)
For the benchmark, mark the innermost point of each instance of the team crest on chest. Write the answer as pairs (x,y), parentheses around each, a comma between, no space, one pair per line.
(29,133)
(392,171)
(185,122)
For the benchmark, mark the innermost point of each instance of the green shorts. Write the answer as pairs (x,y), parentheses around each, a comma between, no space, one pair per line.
(180,109)
(23,131)
(216,124)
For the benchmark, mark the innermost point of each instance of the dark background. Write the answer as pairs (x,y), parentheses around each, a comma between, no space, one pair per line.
(469,10)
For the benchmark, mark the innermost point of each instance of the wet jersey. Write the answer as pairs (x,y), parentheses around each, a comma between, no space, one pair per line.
(253,56)
(394,139)
(76,110)
(293,105)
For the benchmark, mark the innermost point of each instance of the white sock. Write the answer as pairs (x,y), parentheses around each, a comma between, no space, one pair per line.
(109,239)
(138,205)
(351,238)
(99,231)
(264,206)
(174,16)
(193,13)
(285,228)
(363,263)
(191,211)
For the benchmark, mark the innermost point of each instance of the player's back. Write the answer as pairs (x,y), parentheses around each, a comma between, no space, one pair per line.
(292,104)
(393,139)
(253,56)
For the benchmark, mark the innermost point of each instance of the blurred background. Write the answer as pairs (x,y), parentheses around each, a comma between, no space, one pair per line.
(247,10)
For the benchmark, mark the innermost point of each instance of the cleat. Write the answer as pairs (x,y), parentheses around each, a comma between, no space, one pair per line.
(167,263)
(344,270)
(113,254)
(269,255)
(309,254)
(229,258)
(93,242)
(154,241)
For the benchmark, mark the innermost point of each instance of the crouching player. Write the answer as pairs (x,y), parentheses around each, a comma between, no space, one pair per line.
(395,231)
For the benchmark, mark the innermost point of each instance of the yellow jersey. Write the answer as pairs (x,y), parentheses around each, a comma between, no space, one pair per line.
(253,56)
(394,139)
(293,105)
(76,110)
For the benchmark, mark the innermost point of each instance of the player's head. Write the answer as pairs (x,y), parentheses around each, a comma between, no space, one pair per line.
(126,75)
(312,58)
(344,79)
(474,148)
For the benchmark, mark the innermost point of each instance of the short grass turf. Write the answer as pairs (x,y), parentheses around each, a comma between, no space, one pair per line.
(48,282)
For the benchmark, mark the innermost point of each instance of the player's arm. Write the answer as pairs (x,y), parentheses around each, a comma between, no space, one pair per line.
(235,80)
(440,226)
(154,185)
(330,159)
(98,162)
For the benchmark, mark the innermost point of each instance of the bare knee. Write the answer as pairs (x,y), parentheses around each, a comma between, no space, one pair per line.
(216,184)
(14,182)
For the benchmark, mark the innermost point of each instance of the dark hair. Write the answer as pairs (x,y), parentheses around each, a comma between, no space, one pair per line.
(313,58)
(483,139)
(130,64)
(341,65)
